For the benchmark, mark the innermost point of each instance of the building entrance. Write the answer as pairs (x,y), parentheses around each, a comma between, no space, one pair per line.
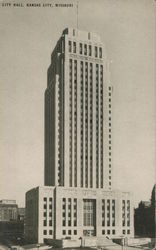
(89,217)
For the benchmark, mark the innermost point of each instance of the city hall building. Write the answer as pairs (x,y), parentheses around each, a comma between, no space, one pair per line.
(78,199)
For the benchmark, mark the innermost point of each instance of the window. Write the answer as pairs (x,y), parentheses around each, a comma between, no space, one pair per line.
(100,52)
(45,206)
(45,223)
(75,232)
(45,232)
(70,46)
(113,231)
(50,232)
(45,199)
(90,50)
(96,52)
(88,209)
(108,231)
(128,231)
(108,223)
(44,214)
(123,231)
(74,47)
(50,199)
(80,48)
(50,223)
(103,231)
(85,49)
(64,232)
(69,232)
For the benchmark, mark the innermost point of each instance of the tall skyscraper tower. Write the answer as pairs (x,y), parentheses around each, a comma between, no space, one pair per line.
(78,113)
(78,200)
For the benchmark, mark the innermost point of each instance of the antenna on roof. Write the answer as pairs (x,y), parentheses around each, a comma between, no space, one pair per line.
(77,13)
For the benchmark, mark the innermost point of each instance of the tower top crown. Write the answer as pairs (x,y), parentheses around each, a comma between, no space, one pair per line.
(80,34)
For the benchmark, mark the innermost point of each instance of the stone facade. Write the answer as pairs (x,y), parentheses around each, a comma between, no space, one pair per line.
(60,213)
(78,199)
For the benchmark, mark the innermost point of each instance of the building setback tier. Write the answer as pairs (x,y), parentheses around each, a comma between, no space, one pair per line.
(59,213)
(78,113)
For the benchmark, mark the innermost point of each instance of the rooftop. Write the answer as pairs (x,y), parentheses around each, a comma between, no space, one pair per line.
(82,35)
(8,202)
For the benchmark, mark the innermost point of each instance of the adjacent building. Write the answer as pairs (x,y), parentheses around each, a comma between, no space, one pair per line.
(145,217)
(78,199)
(8,210)
(11,220)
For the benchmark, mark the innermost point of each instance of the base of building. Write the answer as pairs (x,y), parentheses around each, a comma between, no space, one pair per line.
(83,242)
(61,214)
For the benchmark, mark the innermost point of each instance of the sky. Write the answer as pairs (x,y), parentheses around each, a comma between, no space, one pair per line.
(27,38)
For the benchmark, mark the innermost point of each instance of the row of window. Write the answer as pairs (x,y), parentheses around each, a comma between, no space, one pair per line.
(101,116)
(45,199)
(84,68)
(126,213)
(46,223)
(45,232)
(82,117)
(109,134)
(128,231)
(69,232)
(67,207)
(74,232)
(106,210)
(70,122)
(86,124)
(59,137)
(97,125)
(108,232)
(45,214)
(45,206)
(85,49)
